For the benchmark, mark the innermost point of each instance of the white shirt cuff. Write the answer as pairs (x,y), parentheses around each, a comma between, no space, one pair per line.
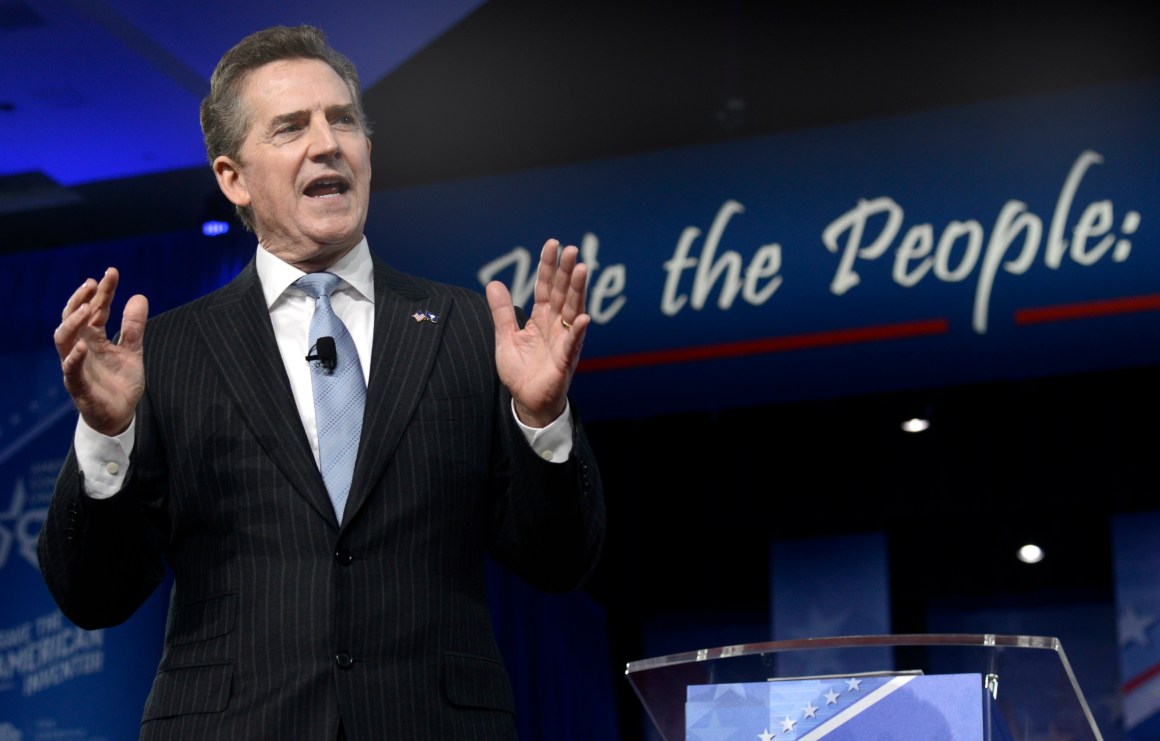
(103,460)
(554,442)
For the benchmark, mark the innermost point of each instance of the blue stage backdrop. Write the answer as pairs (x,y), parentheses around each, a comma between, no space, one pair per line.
(1086,630)
(1137,562)
(1014,238)
(56,680)
(825,587)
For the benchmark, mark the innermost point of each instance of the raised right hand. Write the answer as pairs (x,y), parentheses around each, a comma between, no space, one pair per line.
(105,380)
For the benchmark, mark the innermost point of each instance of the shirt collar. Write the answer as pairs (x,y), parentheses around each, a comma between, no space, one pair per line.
(355,268)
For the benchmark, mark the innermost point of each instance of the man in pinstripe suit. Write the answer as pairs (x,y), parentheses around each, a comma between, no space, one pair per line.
(197,448)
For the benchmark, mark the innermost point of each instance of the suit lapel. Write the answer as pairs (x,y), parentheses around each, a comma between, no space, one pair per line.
(402,355)
(237,331)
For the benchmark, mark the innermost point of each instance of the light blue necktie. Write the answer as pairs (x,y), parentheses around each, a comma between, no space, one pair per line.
(339,393)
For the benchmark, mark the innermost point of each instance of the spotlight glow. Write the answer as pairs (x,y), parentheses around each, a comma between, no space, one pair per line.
(215,228)
(1030,553)
(916,424)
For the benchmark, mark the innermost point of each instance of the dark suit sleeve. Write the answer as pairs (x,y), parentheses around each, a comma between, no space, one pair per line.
(549,517)
(101,558)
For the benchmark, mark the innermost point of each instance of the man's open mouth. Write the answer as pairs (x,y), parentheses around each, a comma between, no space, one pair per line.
(327,187)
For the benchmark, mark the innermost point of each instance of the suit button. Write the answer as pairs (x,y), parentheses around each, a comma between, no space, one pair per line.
(344,661)
(343,557)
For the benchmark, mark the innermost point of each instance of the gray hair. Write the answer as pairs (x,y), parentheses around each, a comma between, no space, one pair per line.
(225,119)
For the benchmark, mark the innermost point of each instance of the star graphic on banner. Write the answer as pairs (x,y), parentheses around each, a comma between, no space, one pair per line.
(1133,627)
(766,736)
(9,732)
(788,724)
(809,711)
(8,534)
(854,685)
(831,698)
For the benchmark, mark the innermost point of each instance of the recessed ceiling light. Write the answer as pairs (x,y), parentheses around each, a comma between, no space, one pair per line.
(915,424)
(1030,553)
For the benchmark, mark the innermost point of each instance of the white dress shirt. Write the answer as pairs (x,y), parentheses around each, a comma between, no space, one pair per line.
(105,460)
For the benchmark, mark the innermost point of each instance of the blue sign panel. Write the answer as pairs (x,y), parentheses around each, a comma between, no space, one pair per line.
(56,680)
(905,706)
(1007,239)
(837,586)
(1138,621)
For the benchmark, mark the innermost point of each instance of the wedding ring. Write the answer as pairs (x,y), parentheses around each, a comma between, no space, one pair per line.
(566,324)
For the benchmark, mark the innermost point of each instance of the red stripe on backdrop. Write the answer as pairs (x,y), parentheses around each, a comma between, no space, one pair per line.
(1088,309)
(1141,678)
(854,335)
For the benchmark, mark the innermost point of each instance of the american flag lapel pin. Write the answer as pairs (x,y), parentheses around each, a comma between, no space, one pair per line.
(419,316)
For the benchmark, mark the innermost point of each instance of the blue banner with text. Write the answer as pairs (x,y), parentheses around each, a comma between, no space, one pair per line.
(1008,239)
(57,681)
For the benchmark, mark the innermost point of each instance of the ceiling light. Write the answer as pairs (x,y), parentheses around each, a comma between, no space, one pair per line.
(915,424)
(1030,553)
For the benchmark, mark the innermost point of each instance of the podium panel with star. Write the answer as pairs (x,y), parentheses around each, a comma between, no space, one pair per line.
(907,706)
(957,687)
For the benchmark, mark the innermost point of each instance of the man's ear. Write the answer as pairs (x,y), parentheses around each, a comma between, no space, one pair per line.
(231,180)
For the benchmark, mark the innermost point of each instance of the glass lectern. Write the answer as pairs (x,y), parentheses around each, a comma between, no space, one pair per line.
(1023,685)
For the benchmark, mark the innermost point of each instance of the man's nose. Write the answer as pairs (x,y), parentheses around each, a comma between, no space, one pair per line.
(323,142)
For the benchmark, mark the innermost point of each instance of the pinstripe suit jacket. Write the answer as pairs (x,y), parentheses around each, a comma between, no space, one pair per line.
(282,620)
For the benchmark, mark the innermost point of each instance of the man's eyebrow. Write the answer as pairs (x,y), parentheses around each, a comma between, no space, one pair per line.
(336,110)
(296,116)
(284,118)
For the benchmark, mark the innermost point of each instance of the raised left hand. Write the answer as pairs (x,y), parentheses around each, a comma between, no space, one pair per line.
(536,363)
